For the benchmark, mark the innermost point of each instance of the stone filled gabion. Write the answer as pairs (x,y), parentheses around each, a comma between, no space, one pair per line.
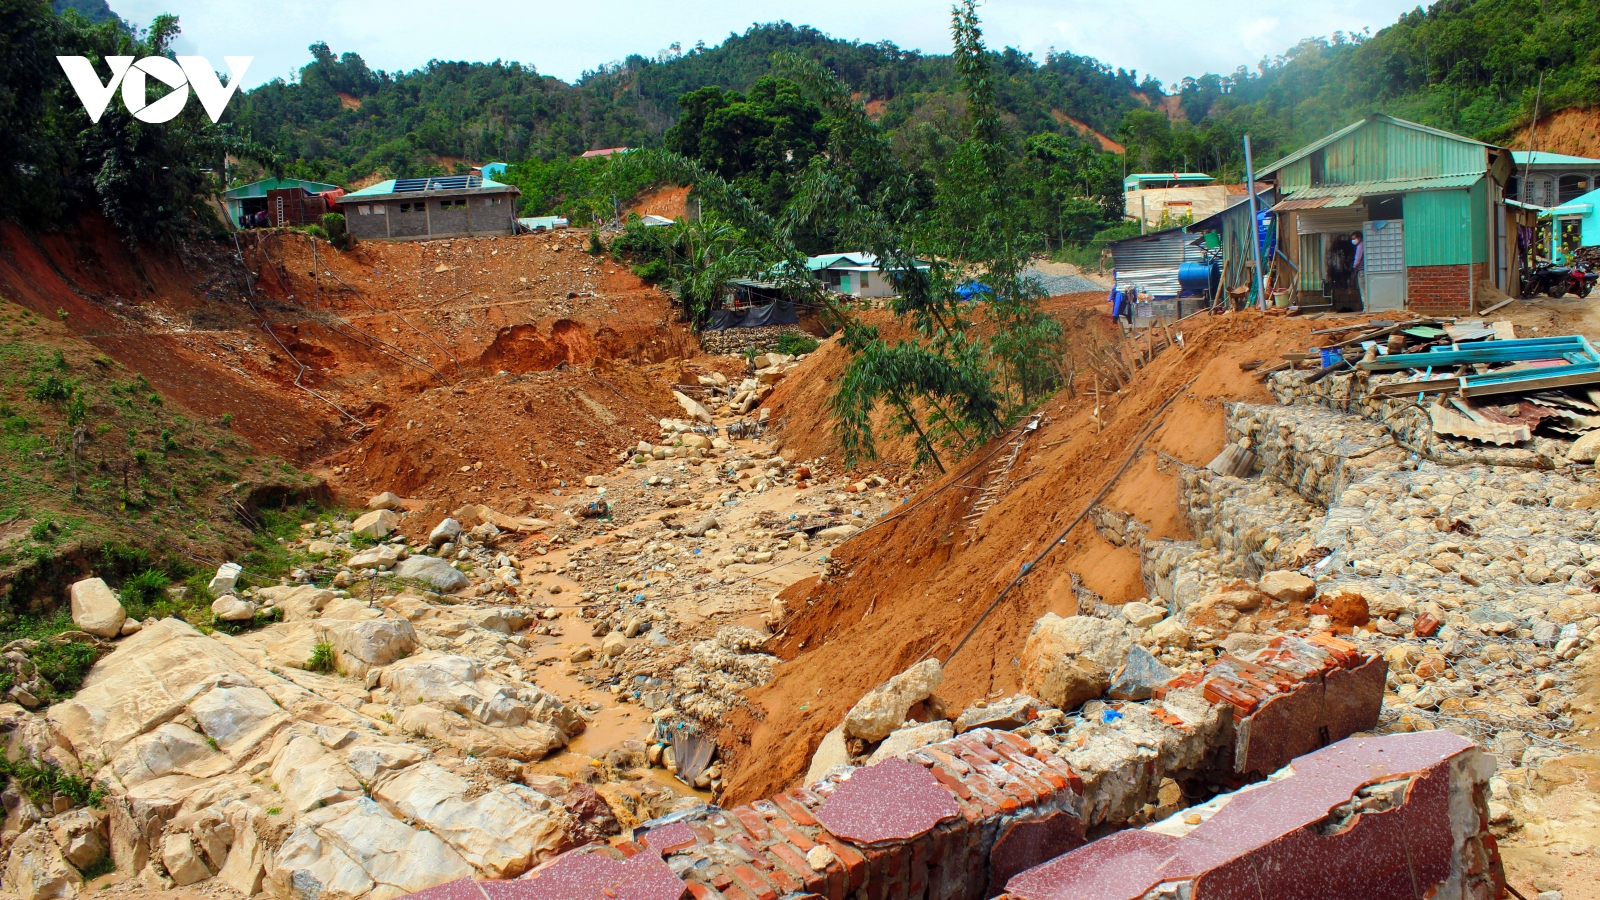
(718,671)
(735,340)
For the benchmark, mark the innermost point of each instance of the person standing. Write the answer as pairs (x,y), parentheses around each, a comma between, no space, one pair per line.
(1356,264)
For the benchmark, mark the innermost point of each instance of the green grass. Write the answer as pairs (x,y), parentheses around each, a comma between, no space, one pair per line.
(795,344)
(42,782)
(322,659)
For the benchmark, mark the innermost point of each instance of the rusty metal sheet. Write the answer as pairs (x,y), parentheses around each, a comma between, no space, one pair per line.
(1450,422)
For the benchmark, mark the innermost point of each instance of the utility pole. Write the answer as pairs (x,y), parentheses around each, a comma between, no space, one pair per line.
(1255,232)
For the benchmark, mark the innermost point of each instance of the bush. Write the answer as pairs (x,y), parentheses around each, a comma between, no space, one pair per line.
(595,247)
(653,271)
(42,782)
(321,658)
(142,593)
(338,233)
(795,344)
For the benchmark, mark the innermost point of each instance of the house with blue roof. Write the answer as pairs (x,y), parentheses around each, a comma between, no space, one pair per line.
(419,209)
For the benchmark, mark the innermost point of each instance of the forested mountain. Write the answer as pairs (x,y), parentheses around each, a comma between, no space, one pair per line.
(342,120)
(1467,65)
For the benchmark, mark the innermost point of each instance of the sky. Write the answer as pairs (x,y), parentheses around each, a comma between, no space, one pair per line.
(1165,38)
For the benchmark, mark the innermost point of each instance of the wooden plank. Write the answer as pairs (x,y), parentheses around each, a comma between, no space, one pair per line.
(1409,388)
(1485,312)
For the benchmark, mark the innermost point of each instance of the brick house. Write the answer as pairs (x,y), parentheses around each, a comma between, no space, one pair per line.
(415,209)
(1429,205)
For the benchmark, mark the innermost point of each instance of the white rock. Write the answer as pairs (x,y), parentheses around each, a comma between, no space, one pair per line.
(96,609)
(838,532)
(381,556)
(356,848)
(182,860)
(447,530)
(905,740)
(226,578)
(299,603)
(385,500)
(310,777)
(884,707)
(376,524)
(692,407)
(1171,633)
(502,832)
(236,716)
(831,754)
(229,608)
(433,571)
(1586,448)
(36,870)
(1141,614)
(1285,586)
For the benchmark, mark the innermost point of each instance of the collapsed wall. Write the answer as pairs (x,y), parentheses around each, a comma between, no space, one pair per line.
(1402,816)
(959,818)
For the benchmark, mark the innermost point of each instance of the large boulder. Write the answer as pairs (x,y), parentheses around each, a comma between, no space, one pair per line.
(376,524)
(447,530)
(692,407)
(884,708)
(462,685)
(80,833)
(299,602)
(229,608)
(831,754)
(433,571)
(96,609)
(226,579)
(1586,448)
(35,869)
(358,849)
(385,500)
(1069,661)
(502,832)
(913,737)
(382,556)
(361,646)
(182,860)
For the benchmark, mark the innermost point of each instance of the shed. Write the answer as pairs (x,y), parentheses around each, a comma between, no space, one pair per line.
(1150,262)
(249,199)
(542,223)
(1428,205)
(409,209)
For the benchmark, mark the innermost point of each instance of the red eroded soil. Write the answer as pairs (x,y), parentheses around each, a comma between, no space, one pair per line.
(912,586)
(523,348)
(1574,132)
(671,202)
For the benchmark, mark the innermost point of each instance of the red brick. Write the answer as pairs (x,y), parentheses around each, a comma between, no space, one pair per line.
(814,881)
(951,781)
(702,892)
(752,882)
(794,810)
(628,848)
(752,822)
(743,842)
(855,864)
(793,835)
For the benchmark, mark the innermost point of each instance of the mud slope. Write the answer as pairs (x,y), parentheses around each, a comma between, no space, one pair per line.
(313,353)
(913,585)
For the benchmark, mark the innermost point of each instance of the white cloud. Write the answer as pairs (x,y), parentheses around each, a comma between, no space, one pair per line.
(1165,38)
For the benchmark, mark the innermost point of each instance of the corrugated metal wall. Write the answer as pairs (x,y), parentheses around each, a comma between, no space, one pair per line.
(1152,263)
(1310,262)
(1440,227)
(1381,151)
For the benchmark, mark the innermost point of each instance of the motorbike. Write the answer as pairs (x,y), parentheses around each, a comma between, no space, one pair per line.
(1583,279)
(1545,277)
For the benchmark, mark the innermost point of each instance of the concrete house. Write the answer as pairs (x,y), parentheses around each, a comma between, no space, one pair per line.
(412,209)
(1551,179)
(252,198)
(1163,200)
(1430,206)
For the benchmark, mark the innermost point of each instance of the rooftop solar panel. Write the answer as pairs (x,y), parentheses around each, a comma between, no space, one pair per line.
(439,183)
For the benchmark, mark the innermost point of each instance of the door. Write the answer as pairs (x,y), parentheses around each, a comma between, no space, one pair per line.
(1384,264)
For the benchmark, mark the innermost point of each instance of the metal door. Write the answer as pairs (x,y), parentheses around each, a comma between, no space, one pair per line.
(1384,264)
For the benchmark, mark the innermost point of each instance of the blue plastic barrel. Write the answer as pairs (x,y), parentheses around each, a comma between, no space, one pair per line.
(1201,277)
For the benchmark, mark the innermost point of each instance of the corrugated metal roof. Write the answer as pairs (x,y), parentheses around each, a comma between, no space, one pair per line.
(1151,261)
(1346,194)
(260,188)
(1301,203)
(1312,147)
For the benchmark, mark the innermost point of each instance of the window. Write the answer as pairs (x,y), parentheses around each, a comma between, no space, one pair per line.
(865,282)
(1571,187)
(364,210)
(1318,163)
(380,209)
(405,207)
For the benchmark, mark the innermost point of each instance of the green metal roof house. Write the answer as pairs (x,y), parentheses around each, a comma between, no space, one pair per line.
(1429,205)
(252,198)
